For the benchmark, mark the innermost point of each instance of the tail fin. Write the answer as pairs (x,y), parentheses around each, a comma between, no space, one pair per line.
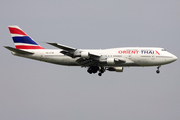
(22,40)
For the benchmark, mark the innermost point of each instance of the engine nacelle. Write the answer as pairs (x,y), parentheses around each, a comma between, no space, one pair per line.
(110,61)
(117,69)
(85,54)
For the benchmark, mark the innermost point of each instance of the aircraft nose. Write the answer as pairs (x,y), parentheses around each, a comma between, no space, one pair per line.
(172,58)
(175,58)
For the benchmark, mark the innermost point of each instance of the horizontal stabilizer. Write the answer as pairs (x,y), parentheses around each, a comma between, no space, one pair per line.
(17,50)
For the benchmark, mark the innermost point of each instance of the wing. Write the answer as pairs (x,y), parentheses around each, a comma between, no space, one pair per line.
(69,51)
(64,47)
(73,52)
(86,58)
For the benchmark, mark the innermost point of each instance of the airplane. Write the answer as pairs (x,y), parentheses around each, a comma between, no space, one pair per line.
(96,60)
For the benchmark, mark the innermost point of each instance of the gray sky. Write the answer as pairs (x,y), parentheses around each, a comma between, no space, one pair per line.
(33,90)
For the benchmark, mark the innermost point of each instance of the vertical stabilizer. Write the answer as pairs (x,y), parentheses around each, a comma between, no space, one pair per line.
(22,40)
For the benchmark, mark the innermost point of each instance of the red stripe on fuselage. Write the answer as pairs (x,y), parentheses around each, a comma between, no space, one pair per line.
(28,47)
(17,31)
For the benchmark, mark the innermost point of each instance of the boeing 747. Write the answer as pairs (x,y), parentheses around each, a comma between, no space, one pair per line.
(96,60)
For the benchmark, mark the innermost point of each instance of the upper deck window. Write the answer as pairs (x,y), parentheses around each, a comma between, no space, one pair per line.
(163,49)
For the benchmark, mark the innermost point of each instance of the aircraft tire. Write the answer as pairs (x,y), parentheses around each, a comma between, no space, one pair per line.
(157,71)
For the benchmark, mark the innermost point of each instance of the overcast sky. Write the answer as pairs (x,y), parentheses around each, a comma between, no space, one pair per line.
(34,90)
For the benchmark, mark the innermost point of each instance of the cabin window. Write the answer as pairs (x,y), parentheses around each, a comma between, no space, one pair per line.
(163,49)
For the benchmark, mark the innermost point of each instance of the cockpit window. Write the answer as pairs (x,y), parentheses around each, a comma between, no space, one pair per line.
(163,49)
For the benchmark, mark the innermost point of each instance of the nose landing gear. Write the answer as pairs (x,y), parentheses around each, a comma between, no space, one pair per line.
(158,71)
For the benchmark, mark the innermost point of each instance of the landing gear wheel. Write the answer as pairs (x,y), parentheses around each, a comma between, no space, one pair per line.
(157,71)
(100,74)
(89,71)
(95,69)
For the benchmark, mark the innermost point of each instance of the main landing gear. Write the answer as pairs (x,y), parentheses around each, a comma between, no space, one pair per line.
(101,71)
(158,71)
(95,69)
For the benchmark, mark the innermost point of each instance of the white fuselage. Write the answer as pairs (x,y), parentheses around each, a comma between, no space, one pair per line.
(114,59)
(134,56)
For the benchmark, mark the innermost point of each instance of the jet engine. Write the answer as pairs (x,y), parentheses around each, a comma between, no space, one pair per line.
(110,61)
(117,69)
(85,54)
